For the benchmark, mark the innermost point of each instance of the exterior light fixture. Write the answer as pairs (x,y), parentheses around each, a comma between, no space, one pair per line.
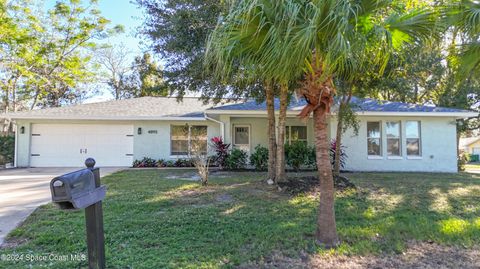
(22,129)
(139,131)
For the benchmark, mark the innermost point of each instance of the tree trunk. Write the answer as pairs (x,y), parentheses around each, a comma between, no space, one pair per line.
(282,117)
(272,144)
(340,126)
(338,141)
(326,233)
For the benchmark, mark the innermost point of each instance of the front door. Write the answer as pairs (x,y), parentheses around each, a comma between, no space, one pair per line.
(241,137)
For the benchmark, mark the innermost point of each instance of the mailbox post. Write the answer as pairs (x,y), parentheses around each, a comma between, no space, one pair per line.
(94,223)
(82,190)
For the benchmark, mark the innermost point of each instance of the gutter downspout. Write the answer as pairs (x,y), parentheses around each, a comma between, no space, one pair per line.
(222,124)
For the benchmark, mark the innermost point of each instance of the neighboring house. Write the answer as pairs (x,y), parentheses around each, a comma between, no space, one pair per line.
(470,145)
(392,136)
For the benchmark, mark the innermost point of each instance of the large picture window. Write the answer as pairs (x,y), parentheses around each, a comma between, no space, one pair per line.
(392,131)
(295,133)
(413,135)
(374,138)
(186,138)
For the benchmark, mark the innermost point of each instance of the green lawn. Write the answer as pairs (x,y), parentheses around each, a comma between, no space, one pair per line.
(155,222)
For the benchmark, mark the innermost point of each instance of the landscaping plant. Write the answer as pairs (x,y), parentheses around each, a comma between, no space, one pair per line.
(259,158)
(221,151)
(237,159)
(343,156)
(7,149)
(145,162)
(297,154)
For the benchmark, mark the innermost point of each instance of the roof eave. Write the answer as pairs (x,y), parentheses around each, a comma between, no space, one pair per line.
(122,118)
(458,114)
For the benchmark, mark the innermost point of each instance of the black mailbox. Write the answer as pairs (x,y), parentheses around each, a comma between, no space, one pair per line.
(76,190)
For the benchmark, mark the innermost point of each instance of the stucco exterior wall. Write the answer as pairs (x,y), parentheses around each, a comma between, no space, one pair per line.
(157,145)
(438,146)
(145,145)
(258,129)
(438,140)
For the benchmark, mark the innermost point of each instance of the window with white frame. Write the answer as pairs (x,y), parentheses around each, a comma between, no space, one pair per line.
(393,134)
(374,138)
(184,139)
(413,137)
(295,133)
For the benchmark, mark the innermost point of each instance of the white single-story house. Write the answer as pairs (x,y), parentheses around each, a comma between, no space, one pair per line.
(392,136)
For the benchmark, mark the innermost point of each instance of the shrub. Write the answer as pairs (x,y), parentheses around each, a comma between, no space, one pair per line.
(343,155)
(7,149)
(161,163)
(297,154)
(145,162)
(312,156)
(183,163)
(169,163)
(463,158)
(221,151)
(259,158)
(237,159)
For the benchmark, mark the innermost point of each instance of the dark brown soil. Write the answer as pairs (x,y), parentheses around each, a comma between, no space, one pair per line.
(309,184)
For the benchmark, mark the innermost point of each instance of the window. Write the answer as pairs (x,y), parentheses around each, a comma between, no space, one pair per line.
(198,139)
(374,139)
(242,135)
(295,133)
(412,129)
(392,131)
(186,138)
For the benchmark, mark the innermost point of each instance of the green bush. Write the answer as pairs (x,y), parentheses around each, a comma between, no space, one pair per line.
(237,159)
(463,158)
(145,162)
(259,158)
(7,149)
(298,154)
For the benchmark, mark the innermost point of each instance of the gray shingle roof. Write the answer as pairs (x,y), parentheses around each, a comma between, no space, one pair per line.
(193,108)
(136,108)
(359,104)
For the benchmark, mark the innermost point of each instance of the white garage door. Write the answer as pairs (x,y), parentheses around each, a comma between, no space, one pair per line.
(68,145)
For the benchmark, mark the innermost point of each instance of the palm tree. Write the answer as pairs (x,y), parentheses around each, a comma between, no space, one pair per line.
(312,41)
(464,16)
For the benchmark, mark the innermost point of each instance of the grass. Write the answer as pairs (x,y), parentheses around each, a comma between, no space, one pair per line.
(154,222)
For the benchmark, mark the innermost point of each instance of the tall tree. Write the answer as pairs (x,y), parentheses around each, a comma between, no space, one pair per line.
(114,60)
(50,62)
(312,40)
(177,30)
(146,78)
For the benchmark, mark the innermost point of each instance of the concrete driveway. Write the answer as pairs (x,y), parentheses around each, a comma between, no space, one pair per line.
(23,190)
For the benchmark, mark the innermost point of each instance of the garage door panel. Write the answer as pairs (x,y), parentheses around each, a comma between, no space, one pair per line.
(71,144)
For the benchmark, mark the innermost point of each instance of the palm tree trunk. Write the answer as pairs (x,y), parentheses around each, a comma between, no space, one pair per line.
(272,144)
(282,117)
(326,233)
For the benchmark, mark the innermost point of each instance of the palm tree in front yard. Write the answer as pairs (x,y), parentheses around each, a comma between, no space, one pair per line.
(313,41)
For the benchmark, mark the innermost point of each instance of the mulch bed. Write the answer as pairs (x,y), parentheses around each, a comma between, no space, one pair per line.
(309,184)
